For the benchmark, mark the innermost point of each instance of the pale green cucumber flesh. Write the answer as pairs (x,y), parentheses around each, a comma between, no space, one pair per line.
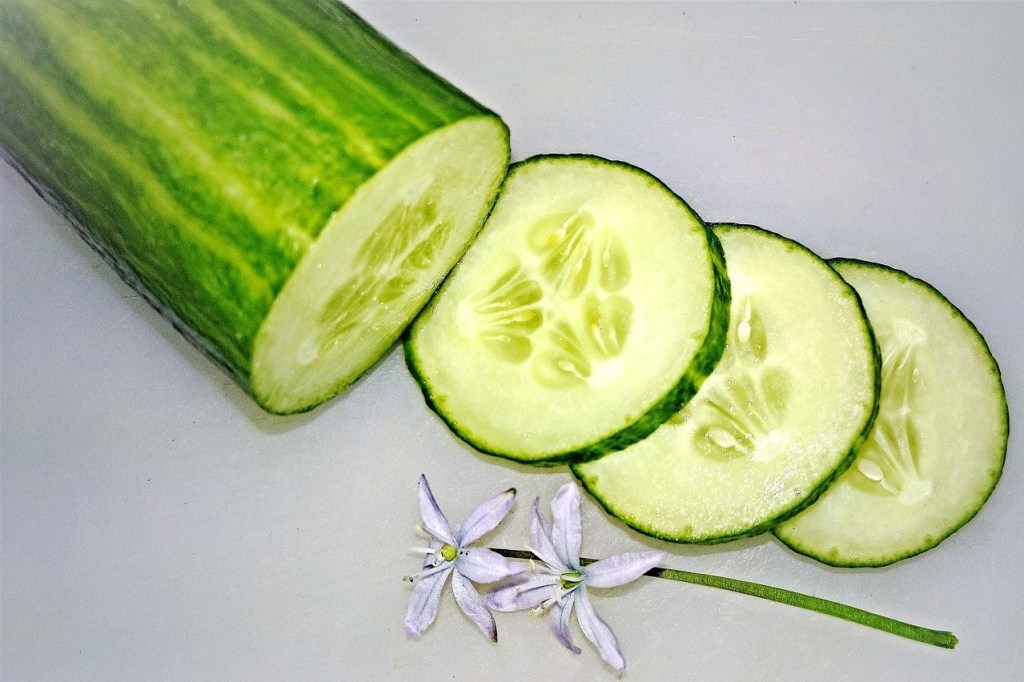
(780,417)
(936,450)
(216,153)
(590,308)
(376,264)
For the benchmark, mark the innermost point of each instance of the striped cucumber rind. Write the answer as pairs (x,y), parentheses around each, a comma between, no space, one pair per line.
(205,150)
(779,419)
(588,311)
(937,449)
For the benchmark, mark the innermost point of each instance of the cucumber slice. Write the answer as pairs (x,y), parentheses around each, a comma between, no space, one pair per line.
(590,308)
(937,447)
(792,398)
(277,179)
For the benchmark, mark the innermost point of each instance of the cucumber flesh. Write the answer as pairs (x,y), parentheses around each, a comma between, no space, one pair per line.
(376,264)
(781,416)
(590,308)
(937,447)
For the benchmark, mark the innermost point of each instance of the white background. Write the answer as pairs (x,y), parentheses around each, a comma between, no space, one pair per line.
(156,525)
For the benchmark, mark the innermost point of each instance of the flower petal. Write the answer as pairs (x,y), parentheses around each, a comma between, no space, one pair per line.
(426,595)
(540,540)
(620,569)
(434,521)
(486,566)
(565,532)
(431,571)
(484,518)
(559,621)
(472,604)
(597,631)
(526,591)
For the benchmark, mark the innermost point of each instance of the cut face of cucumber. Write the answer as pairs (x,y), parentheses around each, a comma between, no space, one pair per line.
(791,399)
(375,265)
(937,447)
(590,308)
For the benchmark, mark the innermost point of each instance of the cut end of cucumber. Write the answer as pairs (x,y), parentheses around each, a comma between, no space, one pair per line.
(592,305)
(376,263)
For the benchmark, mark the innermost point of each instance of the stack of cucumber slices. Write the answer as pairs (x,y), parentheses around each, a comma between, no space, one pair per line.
(710,382)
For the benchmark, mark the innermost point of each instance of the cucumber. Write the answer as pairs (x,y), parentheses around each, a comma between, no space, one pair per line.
(588,311)
(780,418)
(937,447)
(278,180)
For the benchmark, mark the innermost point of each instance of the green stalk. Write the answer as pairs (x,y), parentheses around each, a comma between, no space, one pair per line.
(940,638)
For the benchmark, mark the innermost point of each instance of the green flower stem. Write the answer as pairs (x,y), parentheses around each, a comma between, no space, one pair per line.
(940,638)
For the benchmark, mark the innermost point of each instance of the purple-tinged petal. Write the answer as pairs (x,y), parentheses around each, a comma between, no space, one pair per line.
(540,539)
(527,591)
(434,521)
(559,621)
(565,532)
(484,518)
(472,604)
(620,569)
(597,631)
(486,566)
(430,571)
(426,595)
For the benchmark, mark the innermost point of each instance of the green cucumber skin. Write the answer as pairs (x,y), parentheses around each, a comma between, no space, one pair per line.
(1004,425)
(700,368)
(200,149)
(848,460)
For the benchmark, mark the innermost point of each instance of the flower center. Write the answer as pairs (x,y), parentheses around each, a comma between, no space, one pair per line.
(448,552)
(570,580)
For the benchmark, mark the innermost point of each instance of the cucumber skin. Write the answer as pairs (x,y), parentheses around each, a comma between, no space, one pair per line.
(700,368)
(849,459)
(371,101)
(1005,425)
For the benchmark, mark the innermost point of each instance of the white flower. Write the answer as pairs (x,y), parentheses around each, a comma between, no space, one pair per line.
(448,554)
(561,584)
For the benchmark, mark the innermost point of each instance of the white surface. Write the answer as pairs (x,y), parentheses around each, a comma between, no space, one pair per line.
(156,525)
